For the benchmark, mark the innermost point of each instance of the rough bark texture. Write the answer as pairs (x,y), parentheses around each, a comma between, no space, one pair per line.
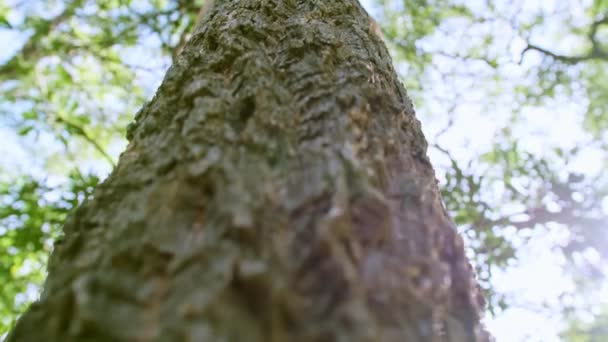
(275,189)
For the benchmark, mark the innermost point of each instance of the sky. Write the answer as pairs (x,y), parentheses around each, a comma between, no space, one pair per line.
(536,281)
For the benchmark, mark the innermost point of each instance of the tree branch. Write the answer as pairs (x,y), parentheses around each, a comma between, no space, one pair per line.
(31,48)
(596,52)
(82,133)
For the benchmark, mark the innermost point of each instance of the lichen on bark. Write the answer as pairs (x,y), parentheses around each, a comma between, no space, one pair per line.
(276,188)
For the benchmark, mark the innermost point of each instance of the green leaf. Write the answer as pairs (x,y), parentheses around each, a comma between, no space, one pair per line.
(25,130)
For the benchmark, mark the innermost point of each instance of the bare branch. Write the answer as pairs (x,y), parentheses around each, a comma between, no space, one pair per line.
(596,52)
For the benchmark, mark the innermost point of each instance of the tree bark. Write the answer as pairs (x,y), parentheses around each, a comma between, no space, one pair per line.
(276,188)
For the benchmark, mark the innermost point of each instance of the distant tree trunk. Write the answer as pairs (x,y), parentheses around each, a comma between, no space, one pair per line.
(275,189)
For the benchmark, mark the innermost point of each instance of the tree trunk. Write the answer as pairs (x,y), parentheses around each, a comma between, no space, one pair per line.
(276,189)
